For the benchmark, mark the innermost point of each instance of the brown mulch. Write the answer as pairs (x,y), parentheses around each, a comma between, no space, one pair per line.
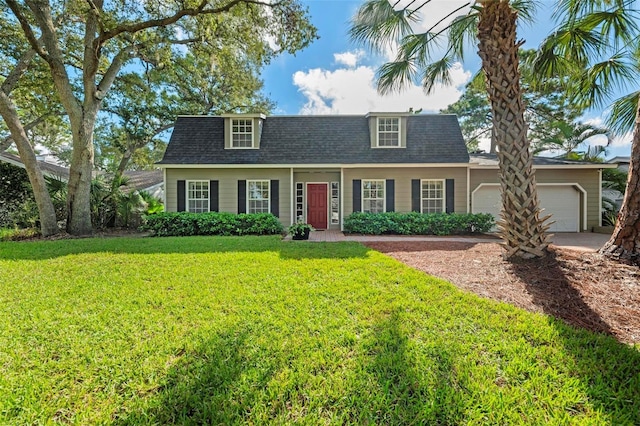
(583,288)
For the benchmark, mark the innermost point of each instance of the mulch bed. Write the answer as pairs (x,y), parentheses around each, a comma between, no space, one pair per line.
(584,289)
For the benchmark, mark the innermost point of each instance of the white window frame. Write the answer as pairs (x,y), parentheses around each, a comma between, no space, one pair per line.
(334,205)
(383,198)
(397,132)
(249,198)
(190,199)
(245,122)
(443,199)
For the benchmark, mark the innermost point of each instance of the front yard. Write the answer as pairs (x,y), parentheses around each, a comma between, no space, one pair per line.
(255,330)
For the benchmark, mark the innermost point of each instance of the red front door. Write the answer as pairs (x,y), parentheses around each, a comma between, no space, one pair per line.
(317,205)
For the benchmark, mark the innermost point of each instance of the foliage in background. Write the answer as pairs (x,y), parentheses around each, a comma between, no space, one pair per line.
(547,107)
(211,223)
(14,191)
(415,223)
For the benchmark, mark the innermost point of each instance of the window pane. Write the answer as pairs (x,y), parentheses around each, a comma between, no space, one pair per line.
(432,196)
(258,196)
(198,196)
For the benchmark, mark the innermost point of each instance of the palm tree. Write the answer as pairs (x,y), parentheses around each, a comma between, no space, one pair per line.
(597,45)
(381,24)
(567,137)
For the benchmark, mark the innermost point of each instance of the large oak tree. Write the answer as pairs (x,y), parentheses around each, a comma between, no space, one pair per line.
(86,45)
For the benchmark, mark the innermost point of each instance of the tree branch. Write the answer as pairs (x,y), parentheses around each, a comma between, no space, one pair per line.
(163,22)
(110,75)
(26,28)
(7,141)
(14,76)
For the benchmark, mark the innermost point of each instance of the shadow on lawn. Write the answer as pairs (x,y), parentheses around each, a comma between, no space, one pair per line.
(608,369)
(205,385)
(42,250)
(403,392)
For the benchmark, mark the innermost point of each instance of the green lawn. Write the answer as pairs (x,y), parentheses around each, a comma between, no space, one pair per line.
(255,330)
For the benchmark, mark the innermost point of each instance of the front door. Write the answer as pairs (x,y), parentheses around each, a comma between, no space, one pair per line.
(317,205)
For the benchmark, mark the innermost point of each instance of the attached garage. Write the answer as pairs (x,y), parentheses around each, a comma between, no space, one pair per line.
(564,201)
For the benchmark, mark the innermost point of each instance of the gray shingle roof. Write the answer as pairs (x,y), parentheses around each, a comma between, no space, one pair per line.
(492,160)
(342,139)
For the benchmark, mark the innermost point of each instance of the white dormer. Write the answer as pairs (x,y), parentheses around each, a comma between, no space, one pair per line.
(388,129)
(242,131)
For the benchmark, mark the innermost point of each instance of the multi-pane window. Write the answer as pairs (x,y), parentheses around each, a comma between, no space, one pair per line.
(241,133)
(335,203)
(299,202)
(198,196)
(432,196)
(258,196)
(373,196)
(389,131)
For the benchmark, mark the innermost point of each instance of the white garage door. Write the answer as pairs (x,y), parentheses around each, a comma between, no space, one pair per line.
(563,202)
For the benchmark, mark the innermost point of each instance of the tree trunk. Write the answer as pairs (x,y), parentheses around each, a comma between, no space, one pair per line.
(48,221)
(521,228)
(80,176)
(624,244)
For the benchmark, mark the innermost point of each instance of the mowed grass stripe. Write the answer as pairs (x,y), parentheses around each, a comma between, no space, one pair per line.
(256,330)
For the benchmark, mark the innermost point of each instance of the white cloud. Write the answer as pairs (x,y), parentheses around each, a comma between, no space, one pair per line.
(350,59)
(353,91)
(617,141)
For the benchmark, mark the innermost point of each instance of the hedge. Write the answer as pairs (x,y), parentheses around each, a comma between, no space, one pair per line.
(212,223)
(418,224)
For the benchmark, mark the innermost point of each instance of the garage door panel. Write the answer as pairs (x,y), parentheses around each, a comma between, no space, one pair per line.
(561,201)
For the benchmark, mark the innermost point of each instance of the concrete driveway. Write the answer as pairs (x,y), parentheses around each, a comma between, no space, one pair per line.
(582,241)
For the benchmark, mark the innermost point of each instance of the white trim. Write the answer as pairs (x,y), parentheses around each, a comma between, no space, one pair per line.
(164,193)
(186,195)
(547,166)
(268,199)
(444,193)
(331,202)
(572,184)
(245,120)
(467,191)
(292,198)
(600,197)
(384,197)
(314,166)
(342,200)
(327,200)
(399,132)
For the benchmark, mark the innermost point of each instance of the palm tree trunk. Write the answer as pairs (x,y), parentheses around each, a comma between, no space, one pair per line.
(624,244)
(521,228)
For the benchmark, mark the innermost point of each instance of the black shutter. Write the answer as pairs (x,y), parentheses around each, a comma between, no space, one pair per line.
(391,195)
(182,196)
(415,195)
(213,196)
(275,198)
(357,195)
(449,191)
(242,196)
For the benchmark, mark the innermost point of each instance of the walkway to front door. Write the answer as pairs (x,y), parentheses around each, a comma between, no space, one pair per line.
(317,205)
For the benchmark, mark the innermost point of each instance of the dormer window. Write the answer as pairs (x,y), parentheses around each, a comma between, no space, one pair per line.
(388,131)
(241,133)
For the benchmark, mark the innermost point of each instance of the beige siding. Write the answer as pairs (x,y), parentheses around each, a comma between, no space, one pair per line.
(228,186)
(588,179)
(403,177)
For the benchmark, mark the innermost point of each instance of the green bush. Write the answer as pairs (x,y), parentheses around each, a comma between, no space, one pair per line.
(417,223)
(212,223)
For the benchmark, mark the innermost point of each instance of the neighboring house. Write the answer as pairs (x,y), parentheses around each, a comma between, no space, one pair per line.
(150,181)
(320,169)
(622,163)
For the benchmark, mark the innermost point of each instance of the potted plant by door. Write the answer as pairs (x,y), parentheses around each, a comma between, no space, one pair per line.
(300,231)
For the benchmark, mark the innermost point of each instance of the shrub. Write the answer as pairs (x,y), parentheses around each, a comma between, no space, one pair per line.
(212,223)
(17,234)
(417,223)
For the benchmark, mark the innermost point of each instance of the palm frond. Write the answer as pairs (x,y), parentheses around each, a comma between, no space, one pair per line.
(394,76)
(601,80)
(526,9)
(378,25)
(438,72)
(462,31)
(622,115)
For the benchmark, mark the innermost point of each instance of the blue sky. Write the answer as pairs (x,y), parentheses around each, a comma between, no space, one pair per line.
(335,76)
